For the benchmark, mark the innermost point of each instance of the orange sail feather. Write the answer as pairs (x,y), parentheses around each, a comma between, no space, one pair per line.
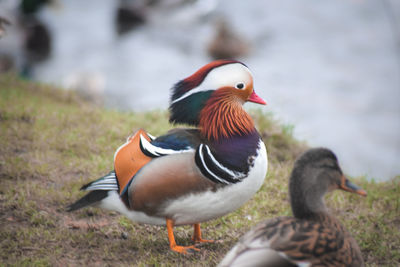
(129,159)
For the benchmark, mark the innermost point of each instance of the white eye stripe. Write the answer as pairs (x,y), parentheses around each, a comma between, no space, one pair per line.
(225,75)
(191,92)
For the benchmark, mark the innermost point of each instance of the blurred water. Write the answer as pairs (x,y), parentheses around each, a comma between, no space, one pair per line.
(331,68)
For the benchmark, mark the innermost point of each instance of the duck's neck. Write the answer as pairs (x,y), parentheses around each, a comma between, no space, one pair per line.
(311,207)
(307,202)
(224,117)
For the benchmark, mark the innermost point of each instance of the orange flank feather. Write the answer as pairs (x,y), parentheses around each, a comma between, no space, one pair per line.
(223,116)
(129,159)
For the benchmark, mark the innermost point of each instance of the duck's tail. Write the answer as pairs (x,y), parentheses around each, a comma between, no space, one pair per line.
(99,190)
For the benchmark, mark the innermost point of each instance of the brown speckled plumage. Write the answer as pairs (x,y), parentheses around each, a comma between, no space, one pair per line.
(313,237)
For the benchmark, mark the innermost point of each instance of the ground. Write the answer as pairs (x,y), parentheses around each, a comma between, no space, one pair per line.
(52,142)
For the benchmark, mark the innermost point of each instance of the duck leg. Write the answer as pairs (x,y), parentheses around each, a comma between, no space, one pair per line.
(172,243)
(197,235)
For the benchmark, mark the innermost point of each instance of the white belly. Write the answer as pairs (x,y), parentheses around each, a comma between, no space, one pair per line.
(200,207)
(209,205)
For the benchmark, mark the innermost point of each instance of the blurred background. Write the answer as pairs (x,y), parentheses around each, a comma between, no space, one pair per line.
(330,68)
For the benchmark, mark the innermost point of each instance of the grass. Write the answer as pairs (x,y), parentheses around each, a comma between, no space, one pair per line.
(52,142)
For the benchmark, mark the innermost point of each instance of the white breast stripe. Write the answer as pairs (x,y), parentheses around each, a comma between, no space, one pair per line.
(235,175)
(158,151)
(207,169)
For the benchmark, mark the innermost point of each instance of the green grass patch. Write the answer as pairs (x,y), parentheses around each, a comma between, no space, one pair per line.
(52,142)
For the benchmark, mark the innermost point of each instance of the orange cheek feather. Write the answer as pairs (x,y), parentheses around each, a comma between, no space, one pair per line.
(223,115)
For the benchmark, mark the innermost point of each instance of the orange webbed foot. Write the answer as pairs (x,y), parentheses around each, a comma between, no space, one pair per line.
(172,243)
(184,249)
(201,240)
(197,235)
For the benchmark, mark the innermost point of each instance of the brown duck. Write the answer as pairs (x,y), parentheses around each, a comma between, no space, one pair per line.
(312,237)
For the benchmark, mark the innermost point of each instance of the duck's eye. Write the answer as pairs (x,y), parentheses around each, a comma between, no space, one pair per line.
(240,85)
(330,166)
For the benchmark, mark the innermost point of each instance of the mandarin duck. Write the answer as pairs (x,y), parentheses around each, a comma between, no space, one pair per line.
(190,175)
(312,237)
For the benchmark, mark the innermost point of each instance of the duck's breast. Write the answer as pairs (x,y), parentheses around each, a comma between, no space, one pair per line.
(210,204)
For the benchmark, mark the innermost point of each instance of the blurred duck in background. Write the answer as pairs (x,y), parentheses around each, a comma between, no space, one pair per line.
(3,23)
(226,43)
(129,15)
(37,41)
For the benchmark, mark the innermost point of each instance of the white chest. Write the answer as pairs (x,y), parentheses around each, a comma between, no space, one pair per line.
(208,205)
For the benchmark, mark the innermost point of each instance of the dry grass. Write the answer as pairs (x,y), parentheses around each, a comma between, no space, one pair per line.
(51,142)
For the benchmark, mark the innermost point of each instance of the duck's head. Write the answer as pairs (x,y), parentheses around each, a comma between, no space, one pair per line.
(223,80)
(315,173)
